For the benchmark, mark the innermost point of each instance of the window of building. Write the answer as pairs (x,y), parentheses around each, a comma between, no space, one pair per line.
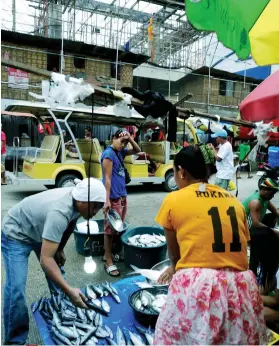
(226,88)
(113,70)
(53,62)
(79,62)
(222,87)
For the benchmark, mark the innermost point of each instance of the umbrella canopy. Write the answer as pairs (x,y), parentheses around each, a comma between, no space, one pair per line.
(263,102)
(245,26)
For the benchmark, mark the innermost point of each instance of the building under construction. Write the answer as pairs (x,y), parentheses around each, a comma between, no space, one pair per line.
(112,43)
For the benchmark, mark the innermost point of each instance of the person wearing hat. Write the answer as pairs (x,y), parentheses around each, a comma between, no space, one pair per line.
(224,159)
(264,245)
(259,202)
(42,223)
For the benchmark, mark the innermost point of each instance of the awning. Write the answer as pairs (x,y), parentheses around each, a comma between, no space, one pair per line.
(18,114)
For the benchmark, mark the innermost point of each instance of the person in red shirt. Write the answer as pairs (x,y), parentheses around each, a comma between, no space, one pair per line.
(3,157)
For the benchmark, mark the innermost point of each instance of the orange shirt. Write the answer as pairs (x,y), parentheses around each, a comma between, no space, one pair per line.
(211,227)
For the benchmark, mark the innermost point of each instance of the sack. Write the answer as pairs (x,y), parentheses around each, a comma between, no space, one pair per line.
(127,175)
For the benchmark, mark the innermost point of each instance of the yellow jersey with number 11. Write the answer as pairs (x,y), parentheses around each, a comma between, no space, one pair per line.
(211,227)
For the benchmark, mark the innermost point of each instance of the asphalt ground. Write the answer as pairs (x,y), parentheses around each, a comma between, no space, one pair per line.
(143,204)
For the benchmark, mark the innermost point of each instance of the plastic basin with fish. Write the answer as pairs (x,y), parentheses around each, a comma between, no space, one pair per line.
(96,240)
(146,318)
(143,257)
(159,266)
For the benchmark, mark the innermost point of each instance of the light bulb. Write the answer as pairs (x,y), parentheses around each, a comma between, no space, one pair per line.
(89,265)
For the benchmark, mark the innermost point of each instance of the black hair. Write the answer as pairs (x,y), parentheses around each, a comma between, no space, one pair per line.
(88,128)
(118,133)
(192,160)
(266,188)
(264,254)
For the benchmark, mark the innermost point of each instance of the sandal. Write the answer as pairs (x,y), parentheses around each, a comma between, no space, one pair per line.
(115,258)
(112,268)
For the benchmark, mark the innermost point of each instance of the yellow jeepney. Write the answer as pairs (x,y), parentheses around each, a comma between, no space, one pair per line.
(53,165)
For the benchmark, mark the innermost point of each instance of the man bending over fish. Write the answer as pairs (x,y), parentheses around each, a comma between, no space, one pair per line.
(42,223)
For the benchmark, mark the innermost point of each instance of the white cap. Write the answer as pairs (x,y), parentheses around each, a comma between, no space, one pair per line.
(97,190)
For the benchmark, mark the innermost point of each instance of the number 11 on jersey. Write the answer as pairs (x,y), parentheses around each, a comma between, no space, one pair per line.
(219,245)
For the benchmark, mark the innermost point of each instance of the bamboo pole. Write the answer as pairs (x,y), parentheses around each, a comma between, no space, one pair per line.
(188,113)
(184,113)
(45,73)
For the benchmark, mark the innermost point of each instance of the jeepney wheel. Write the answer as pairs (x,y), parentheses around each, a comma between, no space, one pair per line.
(66,180)
(169,183)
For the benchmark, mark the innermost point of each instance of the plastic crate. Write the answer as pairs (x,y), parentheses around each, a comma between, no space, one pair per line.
(273,156)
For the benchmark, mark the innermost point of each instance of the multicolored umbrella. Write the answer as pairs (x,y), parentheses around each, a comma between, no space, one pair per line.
(245,26)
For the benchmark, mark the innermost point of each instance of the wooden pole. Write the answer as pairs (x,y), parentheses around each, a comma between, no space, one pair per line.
(184,113)
(188,113)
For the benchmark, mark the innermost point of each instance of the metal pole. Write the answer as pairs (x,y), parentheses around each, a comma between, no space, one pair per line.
(14,15)
(74,24)
(209,76)
(244,74)
(209,88)
(170,74)
(62,47)
(117,49)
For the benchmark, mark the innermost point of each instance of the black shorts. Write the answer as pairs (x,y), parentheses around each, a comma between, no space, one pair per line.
(246,166)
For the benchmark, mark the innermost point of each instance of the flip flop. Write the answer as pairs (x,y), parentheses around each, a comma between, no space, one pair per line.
(111,269)
(115,258)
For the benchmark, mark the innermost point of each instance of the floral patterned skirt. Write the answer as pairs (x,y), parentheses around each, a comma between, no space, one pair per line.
(212,307)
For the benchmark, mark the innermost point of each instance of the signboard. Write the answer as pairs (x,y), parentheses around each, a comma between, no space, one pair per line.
(18,79)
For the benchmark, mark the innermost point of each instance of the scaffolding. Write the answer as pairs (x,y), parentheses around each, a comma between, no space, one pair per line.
(158,29)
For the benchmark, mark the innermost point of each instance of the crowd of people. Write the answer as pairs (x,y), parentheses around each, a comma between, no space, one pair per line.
(217,295)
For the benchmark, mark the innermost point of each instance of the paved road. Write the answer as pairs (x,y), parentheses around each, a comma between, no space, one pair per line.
(143,202)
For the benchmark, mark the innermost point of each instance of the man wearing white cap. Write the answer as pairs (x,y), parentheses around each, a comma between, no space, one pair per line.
(224,159)
(42,223)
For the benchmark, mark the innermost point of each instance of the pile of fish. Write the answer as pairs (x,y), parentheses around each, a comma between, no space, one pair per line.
(131,338)
(149,303)
(147,240)
(71,325)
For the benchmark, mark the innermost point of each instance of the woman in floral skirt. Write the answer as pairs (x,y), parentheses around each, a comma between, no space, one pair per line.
(213,298)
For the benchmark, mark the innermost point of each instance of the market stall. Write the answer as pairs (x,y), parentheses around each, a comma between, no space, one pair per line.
(125,320)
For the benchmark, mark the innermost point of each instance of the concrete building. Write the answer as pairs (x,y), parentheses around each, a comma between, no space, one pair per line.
(214,91)
(95,64)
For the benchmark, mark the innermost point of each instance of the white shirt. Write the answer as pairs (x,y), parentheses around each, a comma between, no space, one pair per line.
(225,168)
(277,278)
